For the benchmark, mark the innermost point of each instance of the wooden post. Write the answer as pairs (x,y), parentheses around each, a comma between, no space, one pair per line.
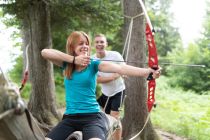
(15,125)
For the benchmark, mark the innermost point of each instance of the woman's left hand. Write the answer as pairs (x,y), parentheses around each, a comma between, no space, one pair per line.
(156,73)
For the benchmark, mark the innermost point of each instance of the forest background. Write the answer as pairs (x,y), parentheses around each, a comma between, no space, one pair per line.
(182,94)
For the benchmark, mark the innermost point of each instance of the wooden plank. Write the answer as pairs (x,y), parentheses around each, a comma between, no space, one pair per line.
(16,127)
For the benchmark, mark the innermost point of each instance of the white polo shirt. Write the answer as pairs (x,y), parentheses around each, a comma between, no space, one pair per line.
(115,86)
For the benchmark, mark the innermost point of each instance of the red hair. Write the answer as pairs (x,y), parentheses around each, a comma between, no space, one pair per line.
(72,41)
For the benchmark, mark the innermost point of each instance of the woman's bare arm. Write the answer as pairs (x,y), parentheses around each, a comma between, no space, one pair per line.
(103,79)
(58,57)
(128,70)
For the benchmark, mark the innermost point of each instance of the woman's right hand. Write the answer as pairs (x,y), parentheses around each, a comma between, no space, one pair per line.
(82,60)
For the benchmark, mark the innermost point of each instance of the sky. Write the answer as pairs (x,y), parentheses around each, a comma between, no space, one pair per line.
(7,52)
(188,16)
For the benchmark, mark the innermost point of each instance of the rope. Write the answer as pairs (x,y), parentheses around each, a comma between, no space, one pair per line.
(122,103)
(128,37)
(106,104)
(127,48)
(142,128)
(8,112)
(121,100)
(141,14)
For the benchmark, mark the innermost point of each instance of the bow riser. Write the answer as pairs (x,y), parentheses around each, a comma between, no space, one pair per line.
(152,63)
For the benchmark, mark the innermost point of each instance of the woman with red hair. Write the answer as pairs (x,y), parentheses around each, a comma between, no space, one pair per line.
(80,72)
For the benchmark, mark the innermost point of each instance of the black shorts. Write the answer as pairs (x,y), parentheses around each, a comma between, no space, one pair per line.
(92,125)
(114,102)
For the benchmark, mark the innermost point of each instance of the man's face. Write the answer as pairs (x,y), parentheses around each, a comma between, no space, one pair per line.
(100,44)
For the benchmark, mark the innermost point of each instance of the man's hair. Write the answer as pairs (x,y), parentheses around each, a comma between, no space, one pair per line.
(100,35)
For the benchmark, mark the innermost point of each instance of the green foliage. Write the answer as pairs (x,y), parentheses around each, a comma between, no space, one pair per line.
(100,16)
(10,21)
(189,78)
(59,87)
(13,12)
(98,91)
(92,17)
(58,77)
(60,96)
(183,113)
(115,41)
(1,13)
(193,78)
(167,37)
(26,91)
(17,72)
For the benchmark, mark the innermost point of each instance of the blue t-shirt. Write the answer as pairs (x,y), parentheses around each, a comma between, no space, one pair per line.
(80,90)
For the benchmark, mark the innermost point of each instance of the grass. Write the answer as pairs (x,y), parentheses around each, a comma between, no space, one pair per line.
(60,97)
(183,113)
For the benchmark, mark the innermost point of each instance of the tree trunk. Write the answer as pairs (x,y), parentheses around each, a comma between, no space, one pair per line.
(135,104)
(37,34)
